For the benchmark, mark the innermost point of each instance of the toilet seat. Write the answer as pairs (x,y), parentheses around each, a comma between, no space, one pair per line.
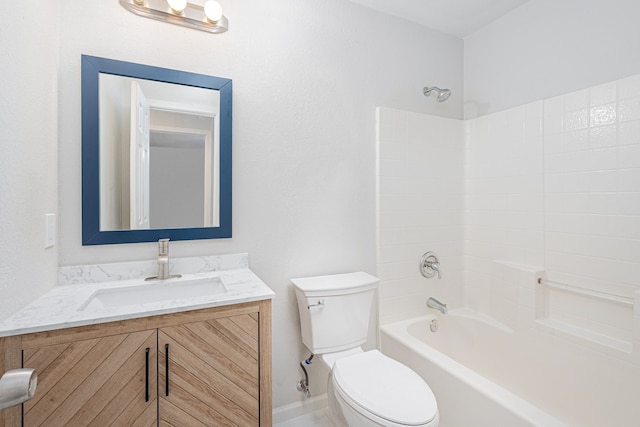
(379,387)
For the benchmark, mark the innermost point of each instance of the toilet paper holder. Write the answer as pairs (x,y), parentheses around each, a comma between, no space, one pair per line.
(17,386)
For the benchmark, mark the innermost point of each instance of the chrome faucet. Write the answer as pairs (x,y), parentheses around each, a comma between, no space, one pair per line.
(163,262)
(163,259)
(437,305)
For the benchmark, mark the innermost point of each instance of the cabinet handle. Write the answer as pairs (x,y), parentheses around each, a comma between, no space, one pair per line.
(146,376)
(166,369)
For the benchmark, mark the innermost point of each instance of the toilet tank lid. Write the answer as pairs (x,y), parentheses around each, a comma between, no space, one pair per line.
(336,284)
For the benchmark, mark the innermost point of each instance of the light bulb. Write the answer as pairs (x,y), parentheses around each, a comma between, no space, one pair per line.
(177,5)
(213,10)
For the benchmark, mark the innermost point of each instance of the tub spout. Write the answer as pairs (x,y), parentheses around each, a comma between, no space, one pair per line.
(437,305)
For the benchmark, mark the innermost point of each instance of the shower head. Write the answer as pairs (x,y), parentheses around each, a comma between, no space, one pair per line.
(441,94)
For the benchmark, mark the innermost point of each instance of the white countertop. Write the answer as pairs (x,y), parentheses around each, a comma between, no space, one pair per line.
(61,307)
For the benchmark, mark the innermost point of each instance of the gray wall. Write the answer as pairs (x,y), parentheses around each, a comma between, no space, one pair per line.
(176,195)
(547,48)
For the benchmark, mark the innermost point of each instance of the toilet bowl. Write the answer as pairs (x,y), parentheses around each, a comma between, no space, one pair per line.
(371,389)
(365,388)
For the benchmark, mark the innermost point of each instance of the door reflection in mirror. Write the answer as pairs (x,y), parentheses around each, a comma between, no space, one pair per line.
(159,154)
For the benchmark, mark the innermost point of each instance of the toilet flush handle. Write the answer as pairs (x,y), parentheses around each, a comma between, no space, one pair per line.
(317,303)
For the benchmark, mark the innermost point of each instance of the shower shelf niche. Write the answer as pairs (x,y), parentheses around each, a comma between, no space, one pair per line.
(590,314)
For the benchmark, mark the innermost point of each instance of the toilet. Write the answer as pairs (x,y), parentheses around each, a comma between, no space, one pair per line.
(365,388)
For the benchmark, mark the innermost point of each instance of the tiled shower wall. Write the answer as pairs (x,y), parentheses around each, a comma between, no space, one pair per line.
(420,209)
(592,204)
(504,206)
(592,181)
(553,185)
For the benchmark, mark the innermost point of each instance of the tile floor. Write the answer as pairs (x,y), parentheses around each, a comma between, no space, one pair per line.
(314,419)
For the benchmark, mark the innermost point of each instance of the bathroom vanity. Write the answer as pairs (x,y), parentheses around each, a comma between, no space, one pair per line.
(104,357)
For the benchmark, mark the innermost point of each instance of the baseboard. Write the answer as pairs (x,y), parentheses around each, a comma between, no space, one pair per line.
(298,409)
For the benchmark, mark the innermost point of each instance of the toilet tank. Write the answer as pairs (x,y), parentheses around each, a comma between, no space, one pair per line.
(334,310)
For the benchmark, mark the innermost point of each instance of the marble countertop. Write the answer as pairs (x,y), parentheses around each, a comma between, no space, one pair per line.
(62,307)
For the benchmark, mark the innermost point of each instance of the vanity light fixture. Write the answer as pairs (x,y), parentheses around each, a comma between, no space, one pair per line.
(203,15)
(177,6)
(213,10)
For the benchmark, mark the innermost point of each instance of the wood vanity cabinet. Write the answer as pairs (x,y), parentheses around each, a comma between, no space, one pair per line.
(97,381)
(209,367)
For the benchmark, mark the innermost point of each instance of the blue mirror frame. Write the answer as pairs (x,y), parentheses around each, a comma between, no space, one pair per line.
(91,234)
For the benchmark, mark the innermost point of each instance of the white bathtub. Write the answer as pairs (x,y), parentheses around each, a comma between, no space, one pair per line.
(463,362)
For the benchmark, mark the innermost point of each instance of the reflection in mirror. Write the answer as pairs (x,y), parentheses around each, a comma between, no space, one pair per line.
(156,153)
(170,131)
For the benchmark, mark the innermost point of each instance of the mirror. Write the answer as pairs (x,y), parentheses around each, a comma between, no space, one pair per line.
(156,153)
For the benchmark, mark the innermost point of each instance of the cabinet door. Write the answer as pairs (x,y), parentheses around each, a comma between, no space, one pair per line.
(213,373)
(104,381)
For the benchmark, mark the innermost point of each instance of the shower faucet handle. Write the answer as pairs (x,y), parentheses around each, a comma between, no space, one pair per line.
(430,265)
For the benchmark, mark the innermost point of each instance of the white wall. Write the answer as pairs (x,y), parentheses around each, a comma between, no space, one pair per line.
(28,162)
(420,208)
(547,48)
(307,77)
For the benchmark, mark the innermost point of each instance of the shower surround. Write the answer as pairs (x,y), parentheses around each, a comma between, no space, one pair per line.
(549,190)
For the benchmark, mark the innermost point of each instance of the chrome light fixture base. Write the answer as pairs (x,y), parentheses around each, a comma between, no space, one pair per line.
(192,16)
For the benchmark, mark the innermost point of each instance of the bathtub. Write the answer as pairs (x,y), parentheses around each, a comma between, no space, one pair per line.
(473,367)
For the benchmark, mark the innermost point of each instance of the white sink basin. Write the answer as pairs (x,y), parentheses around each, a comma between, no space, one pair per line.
(154,292)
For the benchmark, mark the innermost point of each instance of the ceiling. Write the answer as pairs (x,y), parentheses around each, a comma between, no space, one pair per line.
(456,17)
